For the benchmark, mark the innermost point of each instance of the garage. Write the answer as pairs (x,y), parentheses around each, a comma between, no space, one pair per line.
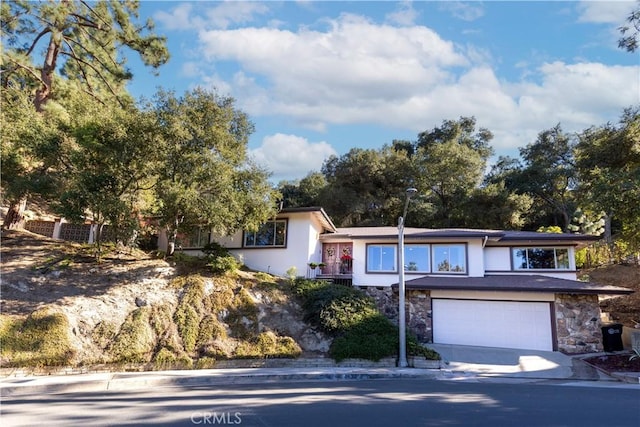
(508,324)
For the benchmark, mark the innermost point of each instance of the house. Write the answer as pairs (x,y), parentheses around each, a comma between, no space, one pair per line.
(495,288)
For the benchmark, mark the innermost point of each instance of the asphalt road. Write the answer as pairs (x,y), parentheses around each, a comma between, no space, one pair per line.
(389,402)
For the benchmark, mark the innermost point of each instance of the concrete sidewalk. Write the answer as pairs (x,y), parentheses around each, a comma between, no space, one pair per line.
(459,363)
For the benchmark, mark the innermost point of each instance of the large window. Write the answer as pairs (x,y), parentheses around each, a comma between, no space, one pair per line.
(272,233)
(381,258)
(416,258)
(449,258)
(541,259)
(197,238)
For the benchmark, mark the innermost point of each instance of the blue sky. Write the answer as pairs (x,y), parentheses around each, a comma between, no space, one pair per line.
(320,78)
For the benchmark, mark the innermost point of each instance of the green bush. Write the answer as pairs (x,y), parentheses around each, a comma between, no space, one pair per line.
(373,338)
(42,339)
(135,340)
(268,345)
(334,308)
(223,264)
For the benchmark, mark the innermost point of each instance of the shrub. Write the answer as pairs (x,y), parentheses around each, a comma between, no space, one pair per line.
(40,339)
(223,264)
(135,340)
(335,308)
(268,345)
(373,338)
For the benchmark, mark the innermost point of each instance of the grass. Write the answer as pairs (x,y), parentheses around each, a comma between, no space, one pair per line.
(38,340)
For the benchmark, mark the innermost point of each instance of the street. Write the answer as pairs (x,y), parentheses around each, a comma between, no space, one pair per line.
(388,402)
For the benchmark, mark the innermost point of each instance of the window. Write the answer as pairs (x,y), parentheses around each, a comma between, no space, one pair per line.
(540,258)
(449,258)
(381,258)
(272,233)
(197,238)
(416,258)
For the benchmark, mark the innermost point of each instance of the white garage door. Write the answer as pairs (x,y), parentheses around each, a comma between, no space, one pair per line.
(508,324)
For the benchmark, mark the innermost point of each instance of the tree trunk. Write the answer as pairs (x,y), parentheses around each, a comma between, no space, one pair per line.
(172,236)
(43,93)
(15,216)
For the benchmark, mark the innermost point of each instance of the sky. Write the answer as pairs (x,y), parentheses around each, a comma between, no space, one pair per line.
(318,78)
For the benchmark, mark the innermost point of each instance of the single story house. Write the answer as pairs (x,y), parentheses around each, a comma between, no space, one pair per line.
(511,289)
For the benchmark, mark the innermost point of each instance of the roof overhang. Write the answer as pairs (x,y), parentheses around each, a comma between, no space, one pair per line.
(317,212)
(513,282)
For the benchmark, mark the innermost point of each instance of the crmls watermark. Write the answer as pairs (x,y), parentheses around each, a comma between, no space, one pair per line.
(216,418)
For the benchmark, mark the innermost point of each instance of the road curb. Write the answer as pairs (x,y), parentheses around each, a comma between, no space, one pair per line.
(124,381)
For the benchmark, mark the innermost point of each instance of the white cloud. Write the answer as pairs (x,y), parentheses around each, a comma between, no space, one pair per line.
(222,16)
(463,10)
(405,14)
(605,12)
(356,71)
(291,156)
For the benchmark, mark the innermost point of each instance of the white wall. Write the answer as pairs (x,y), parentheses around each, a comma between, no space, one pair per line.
(302,247)
(475,258)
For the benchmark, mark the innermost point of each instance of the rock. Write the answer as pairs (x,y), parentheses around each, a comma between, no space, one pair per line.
(140,302)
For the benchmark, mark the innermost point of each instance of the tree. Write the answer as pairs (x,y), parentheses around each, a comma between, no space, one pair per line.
(112,161)
(608,162)
(303,193)
(366,187)
(204,179)
(33,146)
(630,32)
(81,42)
(548,174)
(449,164)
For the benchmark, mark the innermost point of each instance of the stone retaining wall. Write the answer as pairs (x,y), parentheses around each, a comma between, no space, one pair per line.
(578,323)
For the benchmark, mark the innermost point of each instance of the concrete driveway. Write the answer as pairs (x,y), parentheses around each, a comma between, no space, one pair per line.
(505,362)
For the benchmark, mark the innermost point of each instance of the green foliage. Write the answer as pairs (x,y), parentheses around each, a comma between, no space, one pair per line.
(292,273)
(41,339)
(188,314)
(373,338)
(334,308)
(243,315)
(206,179)
(224,264)
(268,345)
(166,359)
(135,340)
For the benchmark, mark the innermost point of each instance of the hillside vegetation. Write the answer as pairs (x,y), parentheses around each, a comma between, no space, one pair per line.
(60,308)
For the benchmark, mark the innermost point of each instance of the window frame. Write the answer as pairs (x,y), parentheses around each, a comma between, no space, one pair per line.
(465,266)
(431,254)
(555,249)
(392,246)
(428,260)
(275,222)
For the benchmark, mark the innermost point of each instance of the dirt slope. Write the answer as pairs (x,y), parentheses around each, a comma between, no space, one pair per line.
(622,309)
(40,272)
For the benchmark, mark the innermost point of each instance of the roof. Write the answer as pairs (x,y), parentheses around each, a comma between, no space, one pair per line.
(494,237)
(315,211)
(514,282)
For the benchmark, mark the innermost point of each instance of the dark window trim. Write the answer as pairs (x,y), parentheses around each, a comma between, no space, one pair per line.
(542,270)
(396,271)
(286,236)
(366,264)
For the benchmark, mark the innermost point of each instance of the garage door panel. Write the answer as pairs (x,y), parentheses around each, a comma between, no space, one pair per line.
(509,324)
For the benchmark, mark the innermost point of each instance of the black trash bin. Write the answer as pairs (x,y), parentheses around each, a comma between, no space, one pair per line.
(612,337)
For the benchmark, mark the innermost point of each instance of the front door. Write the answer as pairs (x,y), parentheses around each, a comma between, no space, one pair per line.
(338,258)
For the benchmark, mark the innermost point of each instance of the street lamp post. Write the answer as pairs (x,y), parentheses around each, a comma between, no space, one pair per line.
(402,356)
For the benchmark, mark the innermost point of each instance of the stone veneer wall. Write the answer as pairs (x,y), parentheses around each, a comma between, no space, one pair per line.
(417,309)
(577,317)
(578,323)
